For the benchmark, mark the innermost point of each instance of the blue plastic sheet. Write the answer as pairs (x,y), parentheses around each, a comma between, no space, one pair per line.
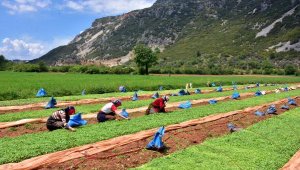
(155,95)
(232,127)
(51,103)
(259,113)
(292,102)
(212,101)
(183,92)
(83,92)
(197,91)
(41,93)
(185,105)
(157,143)
(135,96)
(271,110)
(219,89)
(124,113)
(235,95)
(122,89)
(286,107)
(161,88)
(258,93)
(234,87)
(76,121)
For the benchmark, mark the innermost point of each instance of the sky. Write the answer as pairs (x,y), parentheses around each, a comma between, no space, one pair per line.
(31,28)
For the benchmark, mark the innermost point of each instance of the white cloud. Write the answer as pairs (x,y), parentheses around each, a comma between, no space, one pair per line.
(22,6)
(28,50)
(108,7)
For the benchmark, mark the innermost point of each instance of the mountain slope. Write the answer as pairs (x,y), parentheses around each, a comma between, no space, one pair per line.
(199,33)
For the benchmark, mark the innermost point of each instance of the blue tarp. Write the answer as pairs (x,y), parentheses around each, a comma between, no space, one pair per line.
(234,87)
(271,109)
(41,93)
(51,103)
(258,93)
(83,92)
(135,96)
(197,91)
(212,101)
(219,89)
(124,113)
(286,107)
(286,89)
(235,95)
(183,92)
(122,89)
(161,88)
(292,102)
(76,121)
(185,105)
(259,113)
(232,127)
(155,95)
(157,143)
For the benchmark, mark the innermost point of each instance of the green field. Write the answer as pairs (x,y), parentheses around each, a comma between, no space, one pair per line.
(30,145)
(266,145)
(15,85)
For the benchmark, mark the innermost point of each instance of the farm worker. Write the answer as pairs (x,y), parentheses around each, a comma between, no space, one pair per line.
(60,118)
(109,111)
(158,105)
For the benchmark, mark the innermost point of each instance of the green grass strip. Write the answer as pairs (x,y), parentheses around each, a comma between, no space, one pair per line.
(31,145)
(16,85)
(266,145)
(126,104)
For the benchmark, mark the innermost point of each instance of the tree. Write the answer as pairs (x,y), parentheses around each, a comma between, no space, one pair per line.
(290,70)
(144,58)
(3,62)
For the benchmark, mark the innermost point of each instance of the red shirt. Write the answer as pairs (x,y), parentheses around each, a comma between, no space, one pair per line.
(159,103)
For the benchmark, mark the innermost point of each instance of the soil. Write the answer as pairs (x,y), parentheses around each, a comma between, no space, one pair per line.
(135,154)
(41,127)
(293,163)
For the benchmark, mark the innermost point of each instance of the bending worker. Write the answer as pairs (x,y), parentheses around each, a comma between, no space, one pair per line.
(60,118)
(158,105)
(109,111)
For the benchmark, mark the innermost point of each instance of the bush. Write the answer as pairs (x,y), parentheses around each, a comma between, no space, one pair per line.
(290,70)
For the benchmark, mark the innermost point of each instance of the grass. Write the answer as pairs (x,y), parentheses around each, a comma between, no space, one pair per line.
(30,145)
(25,85)
(266,145)
(84,109)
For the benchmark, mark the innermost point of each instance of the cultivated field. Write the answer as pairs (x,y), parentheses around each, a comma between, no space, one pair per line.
(195,138)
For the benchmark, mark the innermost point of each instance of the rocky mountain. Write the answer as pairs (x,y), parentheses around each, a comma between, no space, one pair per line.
(199,33)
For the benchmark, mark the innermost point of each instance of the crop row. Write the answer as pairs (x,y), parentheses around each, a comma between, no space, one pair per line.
(266,145)
(25,85)
(96,96)
(84,109)
(27,146)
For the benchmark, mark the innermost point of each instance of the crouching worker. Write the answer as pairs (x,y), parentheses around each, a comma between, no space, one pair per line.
(158,105)
(60,118)
(109,111)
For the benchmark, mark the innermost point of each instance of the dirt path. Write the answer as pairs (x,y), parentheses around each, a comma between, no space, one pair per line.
(27,126)
(128,151)
(294,163)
